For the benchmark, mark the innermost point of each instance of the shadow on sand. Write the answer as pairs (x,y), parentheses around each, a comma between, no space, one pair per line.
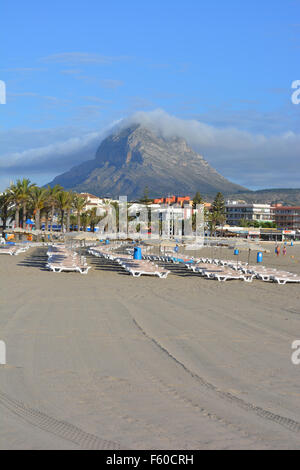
(103,264)
(36,259)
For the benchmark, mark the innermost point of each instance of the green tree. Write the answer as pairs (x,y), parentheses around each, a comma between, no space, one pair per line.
(217,215)
(64,202)
(52,201)
(73,221)
(5,212)
(79,204)
(145,199)
(15,199)
(245,222)
(84,220)
(38,198)
(69,209)
(197,199)
(93,218)
(24,193)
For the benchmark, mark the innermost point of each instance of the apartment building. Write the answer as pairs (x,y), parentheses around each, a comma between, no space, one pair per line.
(239,210)
(286,217)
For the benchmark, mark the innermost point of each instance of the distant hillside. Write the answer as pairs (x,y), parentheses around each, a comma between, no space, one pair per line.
(134,158)
(273,196)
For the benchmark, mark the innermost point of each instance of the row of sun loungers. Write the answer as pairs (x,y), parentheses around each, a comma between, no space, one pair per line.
(248,273)
(243,271)
(134,267)
(206,267)
(221,273)
(13,250)
(224,270)
(61,259)
(270,274)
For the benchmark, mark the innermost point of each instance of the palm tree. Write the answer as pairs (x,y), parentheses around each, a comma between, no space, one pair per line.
(5,213)
(64,202)
(24,189)
(38,199)
(73,221)
(84,220)
(93,218)
(69,209)
(15,199)
(47,209)
(107,207)
(79,204)
(52,201)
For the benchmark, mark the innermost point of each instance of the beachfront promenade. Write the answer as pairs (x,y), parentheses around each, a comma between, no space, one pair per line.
(182,362)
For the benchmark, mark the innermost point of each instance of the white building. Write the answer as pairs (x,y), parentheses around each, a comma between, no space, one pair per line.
(91,201)
(239,210)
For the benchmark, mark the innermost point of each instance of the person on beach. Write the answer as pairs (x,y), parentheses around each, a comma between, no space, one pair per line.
(284,250)
(277,250)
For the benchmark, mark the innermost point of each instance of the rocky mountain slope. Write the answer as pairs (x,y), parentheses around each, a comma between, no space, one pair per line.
(135,158)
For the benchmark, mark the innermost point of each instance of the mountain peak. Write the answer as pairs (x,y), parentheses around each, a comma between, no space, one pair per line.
(135,157)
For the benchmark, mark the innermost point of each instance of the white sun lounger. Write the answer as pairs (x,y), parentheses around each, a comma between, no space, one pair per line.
(228,275)
(7,251)
(223,274)
(13,250)
(61,259)
(59,268)
(282,278)
(147,269)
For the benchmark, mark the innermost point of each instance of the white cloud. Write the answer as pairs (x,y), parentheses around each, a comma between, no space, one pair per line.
(52,158)
(110,83)
(70,72)
(81,58)
(24,69)
(251,159)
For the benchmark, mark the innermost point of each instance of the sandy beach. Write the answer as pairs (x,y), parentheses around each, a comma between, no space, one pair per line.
(108,361)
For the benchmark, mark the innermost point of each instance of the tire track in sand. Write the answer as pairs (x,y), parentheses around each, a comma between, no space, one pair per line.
(60,429)
(173,393)
(288,423)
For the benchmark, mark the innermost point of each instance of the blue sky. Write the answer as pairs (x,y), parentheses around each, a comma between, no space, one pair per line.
(72,68)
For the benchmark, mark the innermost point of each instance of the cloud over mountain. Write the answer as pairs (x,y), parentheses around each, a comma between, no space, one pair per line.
(250,159)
